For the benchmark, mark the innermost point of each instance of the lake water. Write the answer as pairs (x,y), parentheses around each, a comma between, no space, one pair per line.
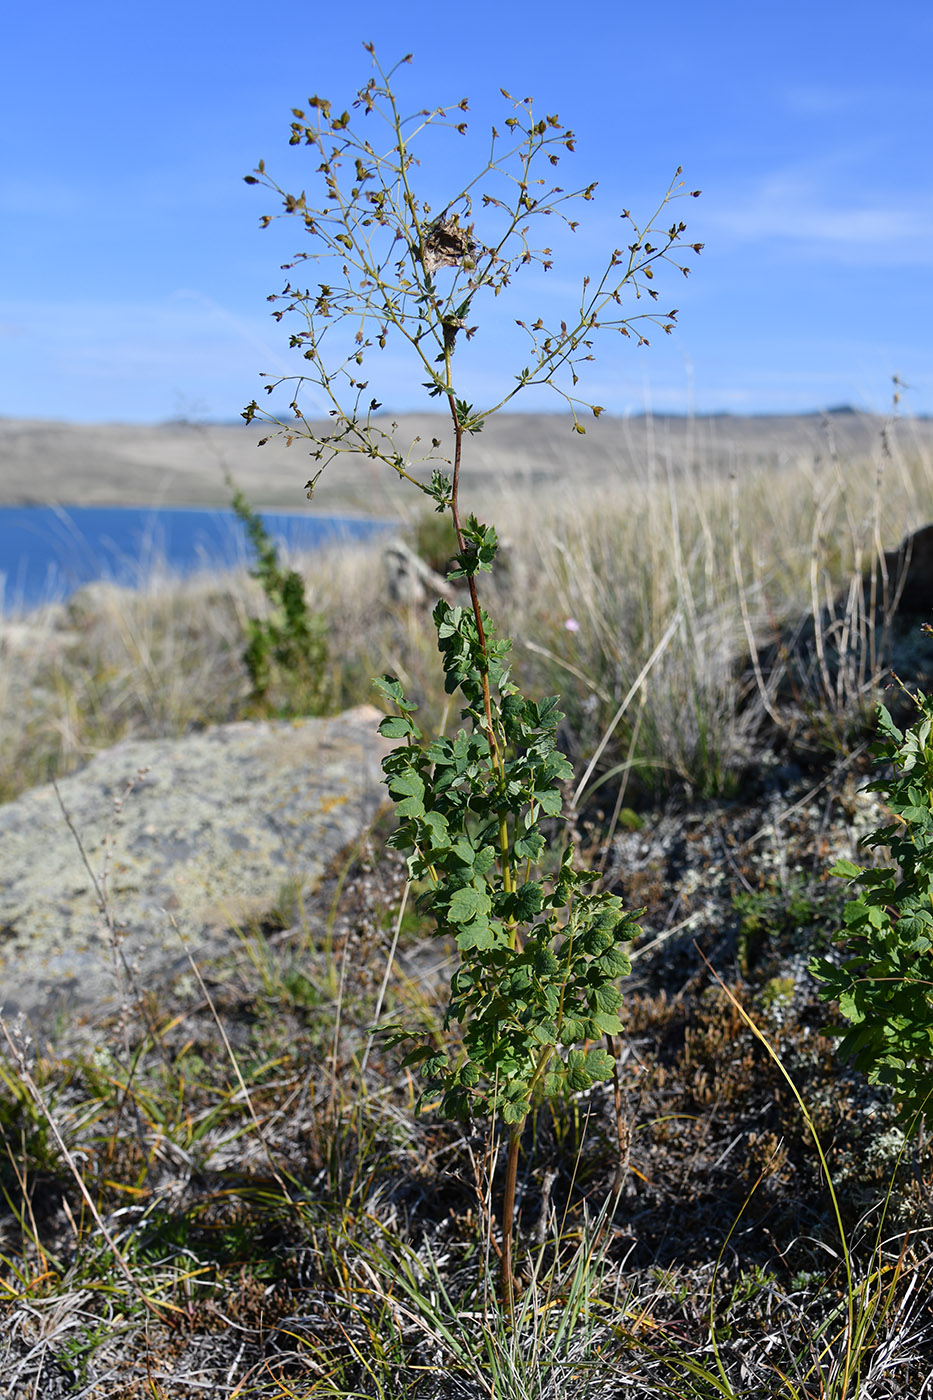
(46,552)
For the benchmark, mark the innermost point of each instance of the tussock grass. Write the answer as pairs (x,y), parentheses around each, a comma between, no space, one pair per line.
(744,567)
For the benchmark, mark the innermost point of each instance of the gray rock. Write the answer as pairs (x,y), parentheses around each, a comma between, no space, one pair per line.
(409,579)
(186,839)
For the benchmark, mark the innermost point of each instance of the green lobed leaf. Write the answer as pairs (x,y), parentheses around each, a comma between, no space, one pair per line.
(608,998)
(468,903)
(546,963)
(484,859)
(572,1029)
(526,902)
(478,934)
(549,800)
(407,790)
(398,727)
(578,1077)
(391,688)
(554,1082)
(604,1023)
(529,846)
(599,1064)
(614,963)
(436,824)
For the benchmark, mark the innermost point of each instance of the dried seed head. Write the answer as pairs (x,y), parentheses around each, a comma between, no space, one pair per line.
(446,244)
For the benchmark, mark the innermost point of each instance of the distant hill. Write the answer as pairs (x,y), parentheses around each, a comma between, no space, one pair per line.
(183,464)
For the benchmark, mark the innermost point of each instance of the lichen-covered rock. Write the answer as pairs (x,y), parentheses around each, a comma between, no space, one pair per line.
(158,844)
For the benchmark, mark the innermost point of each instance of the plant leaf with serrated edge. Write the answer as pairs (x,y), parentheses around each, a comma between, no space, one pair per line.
(606,1022)
(398,727)
(468,903)
(476,934)
(614,963)
(599,1064)
(392,689)
(526,902)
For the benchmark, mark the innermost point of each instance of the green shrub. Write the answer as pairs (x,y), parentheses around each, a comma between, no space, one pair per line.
(288,649)
(884,985)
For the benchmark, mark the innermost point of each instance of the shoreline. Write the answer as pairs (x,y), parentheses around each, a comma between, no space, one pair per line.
(46,577)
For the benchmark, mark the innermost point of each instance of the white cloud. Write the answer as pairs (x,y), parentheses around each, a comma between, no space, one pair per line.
(799,209)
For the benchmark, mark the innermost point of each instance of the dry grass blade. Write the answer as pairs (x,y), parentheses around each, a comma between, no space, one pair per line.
(235,1065)
(158,1310)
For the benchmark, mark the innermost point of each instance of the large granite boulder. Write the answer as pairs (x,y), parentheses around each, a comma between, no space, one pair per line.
(159,844)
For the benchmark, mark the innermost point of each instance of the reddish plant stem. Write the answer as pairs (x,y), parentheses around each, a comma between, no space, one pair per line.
(511,1170)
(481,633)
(474,596)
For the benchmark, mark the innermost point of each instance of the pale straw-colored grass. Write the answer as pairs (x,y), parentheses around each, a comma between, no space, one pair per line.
(732,566)
(670,591)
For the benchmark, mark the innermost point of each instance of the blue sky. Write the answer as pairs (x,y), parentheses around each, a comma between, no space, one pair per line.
(135,274)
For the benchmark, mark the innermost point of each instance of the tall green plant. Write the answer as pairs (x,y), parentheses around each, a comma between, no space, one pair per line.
(540,951)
